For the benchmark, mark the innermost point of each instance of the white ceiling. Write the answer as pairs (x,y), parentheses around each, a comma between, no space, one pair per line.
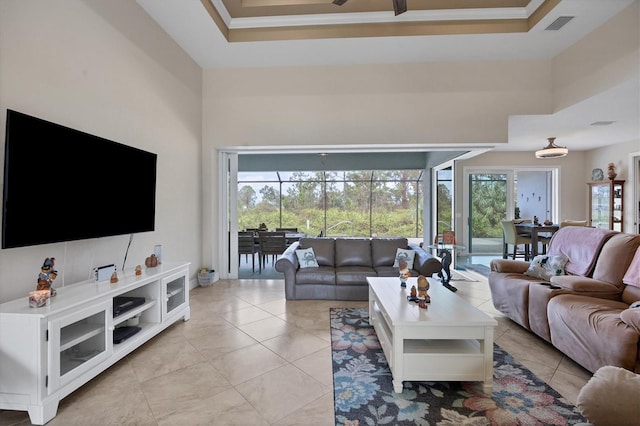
(192,27)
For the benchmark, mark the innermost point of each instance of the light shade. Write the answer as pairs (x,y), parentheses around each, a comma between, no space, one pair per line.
(552,150)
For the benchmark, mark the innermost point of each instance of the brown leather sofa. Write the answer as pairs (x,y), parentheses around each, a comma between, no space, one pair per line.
(585,313)
(344,265)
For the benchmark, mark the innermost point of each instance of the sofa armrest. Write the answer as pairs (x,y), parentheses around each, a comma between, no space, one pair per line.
(425,263)
(631,317)
(509,266)
(587,286)
(288,265)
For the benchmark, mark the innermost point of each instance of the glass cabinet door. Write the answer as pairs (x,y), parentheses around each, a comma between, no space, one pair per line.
(600,207)
(77,343)
(606,203)
(176,293)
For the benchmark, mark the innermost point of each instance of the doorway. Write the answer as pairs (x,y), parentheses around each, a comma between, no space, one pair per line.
(496,194)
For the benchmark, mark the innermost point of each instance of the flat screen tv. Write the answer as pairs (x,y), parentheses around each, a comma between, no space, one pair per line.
(62,184)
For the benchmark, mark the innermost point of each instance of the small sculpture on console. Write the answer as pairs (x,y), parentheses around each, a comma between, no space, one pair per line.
(47,275)
(114,278)
(414,291)
(151,261)
(138,270)
(423,286)
(403,269)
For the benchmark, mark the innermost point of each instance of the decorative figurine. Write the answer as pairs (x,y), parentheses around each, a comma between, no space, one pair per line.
(39,298)
(414,292)
(138,270)
(403,269)
(47,275)
(611,171)
(423,286)
(151,261)
(114,278)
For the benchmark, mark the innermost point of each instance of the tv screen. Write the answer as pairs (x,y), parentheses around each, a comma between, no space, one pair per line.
(62,184)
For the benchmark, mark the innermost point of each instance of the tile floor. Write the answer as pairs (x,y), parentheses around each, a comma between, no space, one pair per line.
(249,357)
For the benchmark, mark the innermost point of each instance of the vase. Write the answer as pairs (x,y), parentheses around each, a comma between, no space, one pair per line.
(611,174)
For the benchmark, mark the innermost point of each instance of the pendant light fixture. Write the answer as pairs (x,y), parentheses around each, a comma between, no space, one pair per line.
(552,150)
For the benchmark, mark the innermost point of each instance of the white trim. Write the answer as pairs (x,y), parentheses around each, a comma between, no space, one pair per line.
(228,217)
(632,219)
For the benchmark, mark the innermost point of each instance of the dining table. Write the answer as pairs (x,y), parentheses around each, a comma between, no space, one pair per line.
(534,230)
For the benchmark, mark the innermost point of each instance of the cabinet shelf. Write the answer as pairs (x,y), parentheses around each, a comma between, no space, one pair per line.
(78,333)
(133,312)
(175,292)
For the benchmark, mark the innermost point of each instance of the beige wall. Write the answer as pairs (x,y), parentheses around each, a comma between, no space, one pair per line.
(572,201)
(602,60)
(620,156)
(363,106)
(105,68)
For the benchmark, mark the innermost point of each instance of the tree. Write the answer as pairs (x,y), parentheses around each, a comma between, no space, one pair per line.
(270,198)
(246,198)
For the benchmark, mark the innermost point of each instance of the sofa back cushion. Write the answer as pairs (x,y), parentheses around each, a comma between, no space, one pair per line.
(581,245)
(353,252)
(615,257)
(324,249)
(383,250)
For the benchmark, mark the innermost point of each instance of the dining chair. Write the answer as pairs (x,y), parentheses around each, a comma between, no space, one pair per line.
(272,244)
(511,237)
(247,246)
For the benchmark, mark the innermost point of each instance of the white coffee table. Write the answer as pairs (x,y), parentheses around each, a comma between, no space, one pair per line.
(451,340)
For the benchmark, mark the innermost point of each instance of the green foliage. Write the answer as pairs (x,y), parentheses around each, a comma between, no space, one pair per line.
(347,196)
(489,205)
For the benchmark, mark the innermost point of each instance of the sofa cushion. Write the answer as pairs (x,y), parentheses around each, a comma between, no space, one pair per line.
(353,252)
(590,331)
(546,266)
(383,250)
(390,271)
(353,275)
(324,249)
(307,258)
(583,256)
(320,275)
(615,257)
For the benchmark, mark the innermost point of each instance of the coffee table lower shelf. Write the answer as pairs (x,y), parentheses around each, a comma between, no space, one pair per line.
(433,359)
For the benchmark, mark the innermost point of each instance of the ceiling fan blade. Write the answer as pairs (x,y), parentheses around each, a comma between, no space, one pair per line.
(339,2)
(399,6)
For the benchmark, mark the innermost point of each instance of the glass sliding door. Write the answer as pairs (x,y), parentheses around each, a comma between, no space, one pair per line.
(488,202)
(444,199)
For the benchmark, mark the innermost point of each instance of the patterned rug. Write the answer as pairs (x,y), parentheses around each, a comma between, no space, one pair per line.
(363,392)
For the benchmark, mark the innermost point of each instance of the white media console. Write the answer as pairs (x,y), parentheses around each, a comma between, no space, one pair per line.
(48,352)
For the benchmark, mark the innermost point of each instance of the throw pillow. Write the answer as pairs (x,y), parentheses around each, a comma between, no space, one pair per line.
(546,266)
(307,258)
(406,255)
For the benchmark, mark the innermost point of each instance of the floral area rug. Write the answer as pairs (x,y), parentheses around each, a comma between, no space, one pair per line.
(363,392)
